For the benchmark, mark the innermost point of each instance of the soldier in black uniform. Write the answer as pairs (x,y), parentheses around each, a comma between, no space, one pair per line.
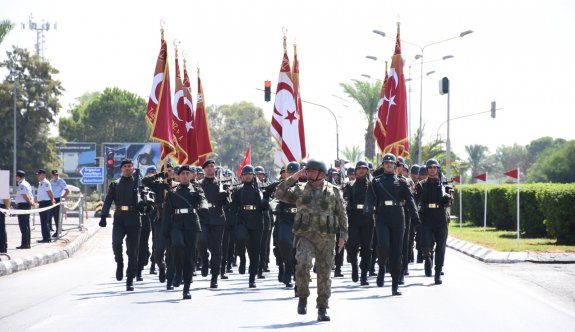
(144,248)
(402,170)
(360,225)
(213,226)
(248,206)
(414,175)
(127,224)
(387,194)
(286,214)
(185,207)
(335,179)
(268,221)
(435,198)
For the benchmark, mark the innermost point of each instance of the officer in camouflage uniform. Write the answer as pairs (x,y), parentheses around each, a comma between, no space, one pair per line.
(387,194)
(434,200)
(320,216)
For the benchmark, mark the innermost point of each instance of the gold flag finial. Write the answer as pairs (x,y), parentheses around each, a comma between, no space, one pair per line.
(198,71)
(162,23)
(284,31)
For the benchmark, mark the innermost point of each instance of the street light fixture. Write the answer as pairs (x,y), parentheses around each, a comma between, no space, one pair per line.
(371,57)
(366,75)
(430,72)
(420,57)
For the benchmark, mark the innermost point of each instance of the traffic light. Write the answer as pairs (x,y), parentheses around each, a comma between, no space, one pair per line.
(110,165)
(493,108)
(268,91)
(444,86)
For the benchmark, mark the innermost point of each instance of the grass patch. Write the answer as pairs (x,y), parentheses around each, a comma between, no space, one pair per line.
(504,240)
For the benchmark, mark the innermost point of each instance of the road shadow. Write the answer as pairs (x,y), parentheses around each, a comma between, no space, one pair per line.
(281,326)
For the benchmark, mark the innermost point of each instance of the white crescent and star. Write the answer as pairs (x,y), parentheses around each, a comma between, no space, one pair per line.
(157,80)
(177,96)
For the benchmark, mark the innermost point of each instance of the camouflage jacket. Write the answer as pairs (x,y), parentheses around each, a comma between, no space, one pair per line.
(319,210)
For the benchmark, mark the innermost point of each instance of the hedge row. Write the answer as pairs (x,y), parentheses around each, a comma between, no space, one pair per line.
(546,209)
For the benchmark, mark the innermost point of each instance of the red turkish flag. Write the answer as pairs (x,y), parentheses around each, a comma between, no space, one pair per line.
(297,96)
(203,142)
(379,128)
(179,119)
(457,179)
(514,173)
(191,147)
(394,107)
(246,161)
(158,113)
(482,177)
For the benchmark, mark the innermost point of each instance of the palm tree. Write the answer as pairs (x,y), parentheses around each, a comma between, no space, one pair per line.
(476,155)
(5,27)
(434,149)
(352,154)
(367,96)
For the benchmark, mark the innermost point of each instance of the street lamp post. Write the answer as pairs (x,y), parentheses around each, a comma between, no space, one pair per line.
(14,165)
(420,57)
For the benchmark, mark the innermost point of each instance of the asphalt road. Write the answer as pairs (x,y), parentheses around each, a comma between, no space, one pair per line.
(81,294)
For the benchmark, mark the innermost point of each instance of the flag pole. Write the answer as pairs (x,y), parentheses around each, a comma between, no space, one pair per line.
(518,201)
(460,203)
(485,211)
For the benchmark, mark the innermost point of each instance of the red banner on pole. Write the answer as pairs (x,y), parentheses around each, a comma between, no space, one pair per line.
(179,118)
(379,127)
(204,142)
(191,148)
(246,161)
(482,177)
(457,179)
(514,173)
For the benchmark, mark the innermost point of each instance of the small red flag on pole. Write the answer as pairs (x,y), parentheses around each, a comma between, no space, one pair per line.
(482,177)
(246,161)
(457,179)
(514,173)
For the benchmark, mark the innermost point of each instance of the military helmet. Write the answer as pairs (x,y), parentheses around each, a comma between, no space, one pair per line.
(292,167)
(431,163)
(316,164)
(248,169)
(422,170)
(259,169)
(401,162)
(389,157)
(227,171)
(370,165)
(350,170)
(199,170)
(361,163)
(414,169)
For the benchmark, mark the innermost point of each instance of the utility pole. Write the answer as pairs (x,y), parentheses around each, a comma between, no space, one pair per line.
(39,27)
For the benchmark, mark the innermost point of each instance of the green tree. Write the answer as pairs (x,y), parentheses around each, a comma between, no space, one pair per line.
(353,154)
(367,96)
(114,115)
(512,156)
(5,27)
(37,105)
(556,166)
(538,147)
(233,128)
(434,149)
(476,155)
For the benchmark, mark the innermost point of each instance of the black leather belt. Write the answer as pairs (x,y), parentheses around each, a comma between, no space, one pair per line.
(359,206)
(125,208)
(249,207)
(184,211)
(389,203)
(433,206)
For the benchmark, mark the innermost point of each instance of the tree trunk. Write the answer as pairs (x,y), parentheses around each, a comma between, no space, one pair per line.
(369,142)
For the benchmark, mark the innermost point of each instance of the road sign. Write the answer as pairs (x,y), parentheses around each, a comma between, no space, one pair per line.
(92,180)
(92,175)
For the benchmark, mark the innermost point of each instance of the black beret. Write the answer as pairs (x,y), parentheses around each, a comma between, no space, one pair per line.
(184,168)
(207,162)
(125,162)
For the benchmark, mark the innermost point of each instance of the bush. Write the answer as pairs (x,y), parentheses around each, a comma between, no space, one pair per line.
(556,202)
(531,223)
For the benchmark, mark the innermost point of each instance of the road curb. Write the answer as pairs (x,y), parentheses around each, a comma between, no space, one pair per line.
(21,264)
(493,256)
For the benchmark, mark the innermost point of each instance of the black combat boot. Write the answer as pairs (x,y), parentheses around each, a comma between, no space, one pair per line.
(119,271)
(287,277)
(380,275)
(252,282)
(322,315)
(223,275)
(129,284)
(395,286)
(229,268)
(205,268)
(261,274)
(162,274)
(139,275)
(186,293)
(401,279)
(242,268)
(337,273)
(302,306)
(169,283)
(281,273)
(438,280)
(177,278)
(152,268)
(419,257)
(354,275)
(214,282)
(427,265)
(364,278)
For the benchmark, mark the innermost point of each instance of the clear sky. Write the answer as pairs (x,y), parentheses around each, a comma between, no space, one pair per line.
(520,55)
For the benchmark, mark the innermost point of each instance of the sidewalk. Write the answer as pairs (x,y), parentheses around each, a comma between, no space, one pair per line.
(71,239)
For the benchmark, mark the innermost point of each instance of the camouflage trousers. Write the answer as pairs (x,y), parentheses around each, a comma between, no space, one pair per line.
(322,248)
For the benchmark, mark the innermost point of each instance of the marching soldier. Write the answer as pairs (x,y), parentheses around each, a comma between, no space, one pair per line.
(403,171)
(24,201)
(268,221)
(320,216)
(127,224)
(213,226)
(45,199)
(248,207)
(414,175)
(435,199)
(387,194)
(185,207)
(360,225)
(144,247)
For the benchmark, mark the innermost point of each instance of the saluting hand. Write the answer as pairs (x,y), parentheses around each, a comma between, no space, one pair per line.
(340,245)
